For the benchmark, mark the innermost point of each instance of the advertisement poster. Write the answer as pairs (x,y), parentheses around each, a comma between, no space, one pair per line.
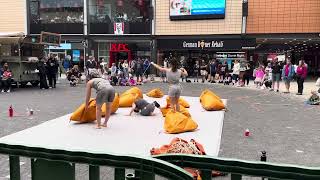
(76,55)
(195,9)
(118,28)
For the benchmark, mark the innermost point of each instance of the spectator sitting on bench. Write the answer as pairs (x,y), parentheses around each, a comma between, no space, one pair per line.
(6,78)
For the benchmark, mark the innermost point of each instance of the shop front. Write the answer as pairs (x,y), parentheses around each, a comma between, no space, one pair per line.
(115,51)
(207,48)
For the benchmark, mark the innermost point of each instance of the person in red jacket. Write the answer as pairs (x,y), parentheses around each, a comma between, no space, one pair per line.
(6,78)
(301,76)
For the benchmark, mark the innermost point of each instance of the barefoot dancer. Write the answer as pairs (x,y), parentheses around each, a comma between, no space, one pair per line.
(144,108)
(105,94)
(173,76)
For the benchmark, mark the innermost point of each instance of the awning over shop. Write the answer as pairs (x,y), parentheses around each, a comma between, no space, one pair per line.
(11,40)
(11,37)
(12,34)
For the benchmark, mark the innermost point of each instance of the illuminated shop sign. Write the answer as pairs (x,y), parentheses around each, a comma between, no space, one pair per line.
(205,44)
(202,44)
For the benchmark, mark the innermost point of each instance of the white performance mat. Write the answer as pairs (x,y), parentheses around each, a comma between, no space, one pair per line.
(135,135)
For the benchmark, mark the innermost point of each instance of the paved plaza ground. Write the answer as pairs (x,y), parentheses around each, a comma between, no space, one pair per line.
(280,124)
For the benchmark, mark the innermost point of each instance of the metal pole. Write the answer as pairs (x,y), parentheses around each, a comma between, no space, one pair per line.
(84,59)
(14,167)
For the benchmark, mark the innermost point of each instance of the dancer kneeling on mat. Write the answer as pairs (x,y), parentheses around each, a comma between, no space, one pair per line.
(144,108)
(173,75)
(105,94)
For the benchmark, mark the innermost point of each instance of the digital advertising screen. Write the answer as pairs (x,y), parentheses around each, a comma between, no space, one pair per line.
(76,55)
(197,9)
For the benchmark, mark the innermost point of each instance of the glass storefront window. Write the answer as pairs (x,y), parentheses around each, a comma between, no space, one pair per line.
(134,14)
(119,10)
(56,16)
(57,11)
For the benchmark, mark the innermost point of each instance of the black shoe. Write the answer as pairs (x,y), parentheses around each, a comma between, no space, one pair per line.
(299,94)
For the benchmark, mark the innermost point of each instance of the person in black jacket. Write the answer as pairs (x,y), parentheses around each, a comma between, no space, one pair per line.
(52,67)
(41,66)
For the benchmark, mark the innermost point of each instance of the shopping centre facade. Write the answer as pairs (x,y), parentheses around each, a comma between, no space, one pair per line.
(254,30)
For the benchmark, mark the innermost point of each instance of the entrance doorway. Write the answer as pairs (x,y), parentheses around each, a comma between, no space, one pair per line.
(119,53)
(59,55)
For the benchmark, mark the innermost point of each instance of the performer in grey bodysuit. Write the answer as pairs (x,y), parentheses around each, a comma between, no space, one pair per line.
(105,94)
(143,107)
(173,76)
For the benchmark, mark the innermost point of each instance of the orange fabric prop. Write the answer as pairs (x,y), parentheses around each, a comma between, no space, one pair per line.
(126,100)
(176,122)
(89,115)
(178,145)
(83,116)
(183,110)
(155,93)
(114,105)
(210,101)
(134,90)
(181,102)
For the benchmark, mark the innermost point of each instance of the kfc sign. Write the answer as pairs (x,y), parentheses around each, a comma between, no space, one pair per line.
(119,47)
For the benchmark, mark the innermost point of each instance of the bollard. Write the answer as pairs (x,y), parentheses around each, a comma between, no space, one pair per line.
(10,111)
(247,133)
(263,157)
(31,112)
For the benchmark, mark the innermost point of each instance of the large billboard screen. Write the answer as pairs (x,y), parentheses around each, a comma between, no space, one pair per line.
(197,9)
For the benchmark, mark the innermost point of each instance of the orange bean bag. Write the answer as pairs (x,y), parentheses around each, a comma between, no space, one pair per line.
(176,122)
(114,105)
(155,93)
(210,101)
(181,102)
(133,90)
(80,115)
(126,100)
(183,110)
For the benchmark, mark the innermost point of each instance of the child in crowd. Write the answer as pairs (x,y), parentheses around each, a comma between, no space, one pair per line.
(114,80)
(152,78)
(314,99)
(123,80)
(267,79)
(259,74)
(227,79)
(132,82)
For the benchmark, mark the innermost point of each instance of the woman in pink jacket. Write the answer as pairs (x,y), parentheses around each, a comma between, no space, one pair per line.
(301,76)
